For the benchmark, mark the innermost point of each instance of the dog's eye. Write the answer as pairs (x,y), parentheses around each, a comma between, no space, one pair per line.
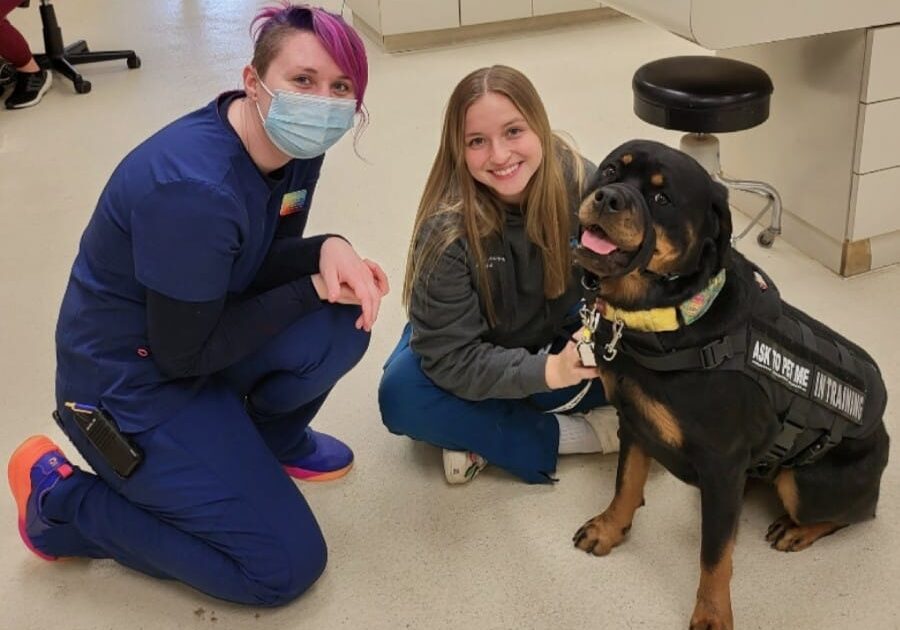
(660,199)
(609,171)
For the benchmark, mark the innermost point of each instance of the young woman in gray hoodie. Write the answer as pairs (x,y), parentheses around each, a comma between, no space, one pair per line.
(485,366)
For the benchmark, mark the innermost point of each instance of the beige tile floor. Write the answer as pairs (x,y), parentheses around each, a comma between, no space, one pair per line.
(406,550)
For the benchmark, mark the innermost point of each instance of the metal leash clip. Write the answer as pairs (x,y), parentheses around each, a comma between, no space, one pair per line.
(610,348)
(585,348)
(590,319)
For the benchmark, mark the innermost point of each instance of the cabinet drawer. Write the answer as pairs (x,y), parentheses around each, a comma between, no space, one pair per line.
(481,11)
(547,7)
(879,136)
(882,53)
(412,16)
(875,198)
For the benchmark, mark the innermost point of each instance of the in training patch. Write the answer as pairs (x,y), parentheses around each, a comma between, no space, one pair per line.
(804,377)
(838,396)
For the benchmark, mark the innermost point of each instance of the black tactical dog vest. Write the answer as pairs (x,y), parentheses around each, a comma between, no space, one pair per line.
(823,387)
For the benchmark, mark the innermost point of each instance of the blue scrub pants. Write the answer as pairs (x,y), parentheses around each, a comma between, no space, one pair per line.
(211,505)
(516,435)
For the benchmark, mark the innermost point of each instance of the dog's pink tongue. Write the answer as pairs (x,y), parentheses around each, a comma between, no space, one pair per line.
(596,243)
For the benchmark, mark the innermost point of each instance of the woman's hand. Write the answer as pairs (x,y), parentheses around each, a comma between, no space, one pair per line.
(565,369)
(345,296)
(381,279)
(348,279)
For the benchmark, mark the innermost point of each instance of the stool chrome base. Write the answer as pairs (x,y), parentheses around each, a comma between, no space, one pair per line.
(704,148)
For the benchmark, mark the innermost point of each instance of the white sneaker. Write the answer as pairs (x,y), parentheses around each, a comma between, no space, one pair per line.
(605,422)
(462,466)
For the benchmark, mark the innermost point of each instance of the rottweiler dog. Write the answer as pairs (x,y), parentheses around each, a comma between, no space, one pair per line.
(695,356)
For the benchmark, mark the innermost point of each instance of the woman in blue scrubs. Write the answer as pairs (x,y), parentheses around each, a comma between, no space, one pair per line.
(202,320)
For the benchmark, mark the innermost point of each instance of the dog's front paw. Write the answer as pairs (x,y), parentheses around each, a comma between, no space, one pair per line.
(600,534)
(710,616)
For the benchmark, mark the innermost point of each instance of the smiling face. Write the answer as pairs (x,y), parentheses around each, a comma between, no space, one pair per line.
(650,208)
(501,150)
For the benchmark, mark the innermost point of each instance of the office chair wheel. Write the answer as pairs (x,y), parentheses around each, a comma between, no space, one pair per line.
(766,237)
(133,62)
(82,86)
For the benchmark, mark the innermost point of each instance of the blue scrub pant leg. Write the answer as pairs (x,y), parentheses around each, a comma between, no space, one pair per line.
(516,435)
(286,381)
(210,505)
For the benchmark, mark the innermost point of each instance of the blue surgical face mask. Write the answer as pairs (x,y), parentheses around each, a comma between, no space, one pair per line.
(303,125)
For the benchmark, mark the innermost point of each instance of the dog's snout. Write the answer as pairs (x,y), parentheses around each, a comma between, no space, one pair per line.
(609,199)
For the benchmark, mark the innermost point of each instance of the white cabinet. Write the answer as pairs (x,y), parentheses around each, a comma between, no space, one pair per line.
(876,178)
(483,11)
(833,155)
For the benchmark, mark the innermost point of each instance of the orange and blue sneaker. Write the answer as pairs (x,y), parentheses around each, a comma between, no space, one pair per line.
(34,469)
(328,459)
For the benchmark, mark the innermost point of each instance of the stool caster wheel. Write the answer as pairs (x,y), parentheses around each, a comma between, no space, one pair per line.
(766,237)
(82,86)
(133,62)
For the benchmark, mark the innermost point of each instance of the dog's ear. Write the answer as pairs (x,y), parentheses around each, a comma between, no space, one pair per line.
(720,216)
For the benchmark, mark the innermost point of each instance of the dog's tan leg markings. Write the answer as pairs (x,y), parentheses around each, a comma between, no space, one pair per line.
(607,530)
(657,413)
(786,486)
(713,609)
(786,534)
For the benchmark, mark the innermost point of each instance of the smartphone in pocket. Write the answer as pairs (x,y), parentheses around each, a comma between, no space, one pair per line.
(102,432)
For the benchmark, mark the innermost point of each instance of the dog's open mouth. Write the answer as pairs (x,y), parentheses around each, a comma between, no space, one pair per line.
(600,253)
(595,239)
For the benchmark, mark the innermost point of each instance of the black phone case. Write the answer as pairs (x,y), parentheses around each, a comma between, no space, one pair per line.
(122,456)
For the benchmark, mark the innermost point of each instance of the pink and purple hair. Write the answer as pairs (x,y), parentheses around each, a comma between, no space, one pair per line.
(337,37)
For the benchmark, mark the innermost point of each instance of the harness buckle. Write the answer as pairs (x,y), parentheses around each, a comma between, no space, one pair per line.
(715,353)
(812,452)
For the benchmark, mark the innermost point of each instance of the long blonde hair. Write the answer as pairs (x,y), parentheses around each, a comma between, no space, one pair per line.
(471,209)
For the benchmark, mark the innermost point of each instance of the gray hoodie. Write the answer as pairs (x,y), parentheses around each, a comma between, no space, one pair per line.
(460,352)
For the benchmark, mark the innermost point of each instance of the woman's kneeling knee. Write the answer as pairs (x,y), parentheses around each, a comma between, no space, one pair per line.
(297,569)
(347,339)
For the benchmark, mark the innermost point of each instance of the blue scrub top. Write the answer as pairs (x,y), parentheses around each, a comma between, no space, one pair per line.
(187,214)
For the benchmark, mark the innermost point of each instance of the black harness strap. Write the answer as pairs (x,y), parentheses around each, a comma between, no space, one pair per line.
(707,357)
(806,335)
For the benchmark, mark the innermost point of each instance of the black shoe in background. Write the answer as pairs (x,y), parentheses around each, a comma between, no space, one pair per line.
(30,89)
(7,74)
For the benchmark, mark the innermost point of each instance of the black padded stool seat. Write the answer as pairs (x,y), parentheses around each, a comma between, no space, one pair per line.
(701,94)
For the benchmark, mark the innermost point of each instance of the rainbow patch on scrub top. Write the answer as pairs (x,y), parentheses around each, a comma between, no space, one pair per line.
(292,202)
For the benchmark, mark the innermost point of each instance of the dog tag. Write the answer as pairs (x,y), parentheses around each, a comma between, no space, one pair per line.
(585,348)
